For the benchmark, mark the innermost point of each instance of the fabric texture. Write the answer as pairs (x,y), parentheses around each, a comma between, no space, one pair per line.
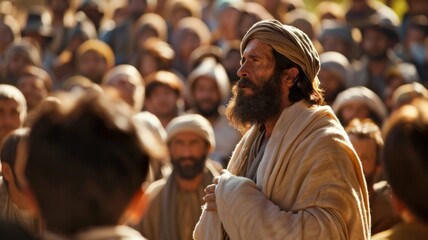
(288,41)
(163,219)
(310,184)
(11,212)
(194,123)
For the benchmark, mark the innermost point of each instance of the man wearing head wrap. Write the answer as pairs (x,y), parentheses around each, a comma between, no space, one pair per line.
(295,174)
(175,204)
(209,88)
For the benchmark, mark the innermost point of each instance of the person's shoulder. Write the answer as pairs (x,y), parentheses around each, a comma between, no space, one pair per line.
(156,187)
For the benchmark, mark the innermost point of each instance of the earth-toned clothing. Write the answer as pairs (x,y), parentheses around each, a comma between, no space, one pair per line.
(9,211)
(309,184)
(172,212)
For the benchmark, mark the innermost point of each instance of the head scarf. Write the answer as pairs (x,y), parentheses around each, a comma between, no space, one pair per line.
(288,41)
(193,123)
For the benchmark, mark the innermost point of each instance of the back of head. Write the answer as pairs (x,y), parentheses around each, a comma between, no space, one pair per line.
(85,162)
(406,156)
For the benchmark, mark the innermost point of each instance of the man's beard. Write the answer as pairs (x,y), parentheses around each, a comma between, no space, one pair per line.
(378,56)
(263,104)
(189,171)
(208,112)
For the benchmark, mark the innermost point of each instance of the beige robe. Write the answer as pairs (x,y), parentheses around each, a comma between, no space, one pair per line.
(310,184)
(173,213)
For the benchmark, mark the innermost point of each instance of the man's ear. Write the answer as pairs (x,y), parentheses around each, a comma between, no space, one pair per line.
(289,75)
(136,208)
(7,172)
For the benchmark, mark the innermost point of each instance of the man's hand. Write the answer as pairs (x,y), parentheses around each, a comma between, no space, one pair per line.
(209,198)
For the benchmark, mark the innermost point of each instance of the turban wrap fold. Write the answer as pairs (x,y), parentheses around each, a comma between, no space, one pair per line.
(288,41)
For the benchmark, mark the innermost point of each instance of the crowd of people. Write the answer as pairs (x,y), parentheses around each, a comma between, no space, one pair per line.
(120,119)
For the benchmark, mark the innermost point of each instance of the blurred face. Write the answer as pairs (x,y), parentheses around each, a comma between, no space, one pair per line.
(149,64)
(34,90)
(375,44)
(188,152)
(354,110)
(17,62)
(331,83)
(136,8)
(10,118)
(93,66)
(333,43)
(126,87)
(227,21)
(162,102)
(231,64)
(367,152)
(206,95)
(189,42)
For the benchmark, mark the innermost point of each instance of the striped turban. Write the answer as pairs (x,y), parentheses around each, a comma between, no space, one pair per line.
(288,41)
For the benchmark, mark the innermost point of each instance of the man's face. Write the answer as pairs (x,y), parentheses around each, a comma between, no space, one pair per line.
(331,83)
(258,94)
(162,101)
(10,118)
(136,8)
(367,152)
(93,66)
(356,109)
(17,63)
(126,86)
(34,90)
(375,44)
(206,96)
(188,152)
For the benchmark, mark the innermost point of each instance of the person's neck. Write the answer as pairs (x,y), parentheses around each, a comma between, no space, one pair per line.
(189,185)
(166,119)
(16,196)
(213,118)
(270,123)
(377,66)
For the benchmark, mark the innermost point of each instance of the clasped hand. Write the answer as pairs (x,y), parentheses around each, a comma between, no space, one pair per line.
(209,198)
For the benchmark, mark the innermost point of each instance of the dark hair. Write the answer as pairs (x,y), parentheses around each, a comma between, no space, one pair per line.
(85,163)
(406,156)
(303,87)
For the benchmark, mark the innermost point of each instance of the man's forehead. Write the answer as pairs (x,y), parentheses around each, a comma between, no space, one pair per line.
(256,46)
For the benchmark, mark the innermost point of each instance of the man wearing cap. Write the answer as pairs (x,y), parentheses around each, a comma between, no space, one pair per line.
(209,87)
(175,204)
(294,174)
(379,37)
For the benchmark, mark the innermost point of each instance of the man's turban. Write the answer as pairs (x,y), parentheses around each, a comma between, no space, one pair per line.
(288,41)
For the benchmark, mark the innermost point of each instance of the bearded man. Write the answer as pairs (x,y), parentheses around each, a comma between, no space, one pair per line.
(294,174)
(175,204)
